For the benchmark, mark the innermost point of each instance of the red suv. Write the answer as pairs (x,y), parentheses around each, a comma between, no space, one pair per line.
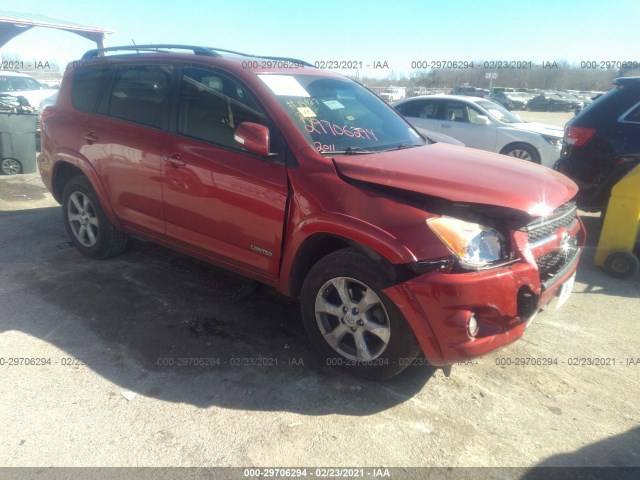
(306,181)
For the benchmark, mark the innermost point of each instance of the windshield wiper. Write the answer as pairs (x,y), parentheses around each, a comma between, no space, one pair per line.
(402,146)
(347,151)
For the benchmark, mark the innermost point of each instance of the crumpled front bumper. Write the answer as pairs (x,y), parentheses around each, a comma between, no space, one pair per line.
(503,300)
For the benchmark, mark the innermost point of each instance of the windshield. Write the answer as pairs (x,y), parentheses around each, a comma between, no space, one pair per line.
(500,113)
(339,116)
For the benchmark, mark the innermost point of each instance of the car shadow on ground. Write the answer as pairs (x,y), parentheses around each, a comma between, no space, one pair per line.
(595,279)
(617,457)
(164,325)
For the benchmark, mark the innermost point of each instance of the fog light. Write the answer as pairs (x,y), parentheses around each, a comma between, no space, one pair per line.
(472,326)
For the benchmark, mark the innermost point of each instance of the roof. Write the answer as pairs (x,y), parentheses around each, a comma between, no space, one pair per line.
(13,24)
(624,81)
(446,97)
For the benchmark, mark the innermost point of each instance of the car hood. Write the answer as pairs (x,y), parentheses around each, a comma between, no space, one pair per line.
(541,128)
(461,174)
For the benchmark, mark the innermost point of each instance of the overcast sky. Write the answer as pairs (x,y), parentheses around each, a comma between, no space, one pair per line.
(397,32)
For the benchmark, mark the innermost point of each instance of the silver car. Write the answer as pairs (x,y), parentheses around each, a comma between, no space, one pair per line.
(483,124)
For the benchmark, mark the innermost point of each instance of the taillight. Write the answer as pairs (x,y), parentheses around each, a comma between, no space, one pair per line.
(577,136)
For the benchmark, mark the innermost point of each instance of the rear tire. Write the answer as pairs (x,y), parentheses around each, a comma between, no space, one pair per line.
(351,322)
(87,226)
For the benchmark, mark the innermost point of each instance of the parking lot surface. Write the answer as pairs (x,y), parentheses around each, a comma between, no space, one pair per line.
(155,359)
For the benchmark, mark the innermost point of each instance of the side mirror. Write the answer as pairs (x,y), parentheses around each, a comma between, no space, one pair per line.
(253,137)
(482,120)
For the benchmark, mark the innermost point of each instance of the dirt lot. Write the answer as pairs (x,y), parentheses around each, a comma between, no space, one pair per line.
(111,392)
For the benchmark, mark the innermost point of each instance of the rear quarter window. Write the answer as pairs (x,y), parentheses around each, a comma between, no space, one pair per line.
(609,107)
(633,115)
(87,86)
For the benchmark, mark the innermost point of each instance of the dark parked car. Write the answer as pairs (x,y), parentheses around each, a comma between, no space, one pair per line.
(576,103)
(602,143)
(510,100)
(550,102)
(471,92)
(304,180)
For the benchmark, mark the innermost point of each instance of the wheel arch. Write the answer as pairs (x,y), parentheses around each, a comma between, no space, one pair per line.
(64,170)
(62,173)
(309,247)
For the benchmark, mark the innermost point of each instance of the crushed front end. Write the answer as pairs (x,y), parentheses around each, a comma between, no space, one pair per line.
(459,314)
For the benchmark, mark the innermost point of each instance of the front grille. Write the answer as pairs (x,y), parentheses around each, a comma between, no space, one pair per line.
(542,228)
(550,264)
(553,263)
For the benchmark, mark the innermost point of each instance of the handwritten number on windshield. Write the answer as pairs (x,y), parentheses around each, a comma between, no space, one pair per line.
(324,127)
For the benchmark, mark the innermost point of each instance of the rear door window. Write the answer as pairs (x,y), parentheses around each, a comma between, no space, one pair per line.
(140,94)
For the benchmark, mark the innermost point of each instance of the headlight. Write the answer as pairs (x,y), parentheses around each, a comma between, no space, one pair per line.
(555,141)
(475,245)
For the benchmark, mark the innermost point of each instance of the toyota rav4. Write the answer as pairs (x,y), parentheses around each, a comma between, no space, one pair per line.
(308,182)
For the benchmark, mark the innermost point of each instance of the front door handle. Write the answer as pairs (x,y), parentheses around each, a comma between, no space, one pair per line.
(445,125)
(90,137)
(175,160)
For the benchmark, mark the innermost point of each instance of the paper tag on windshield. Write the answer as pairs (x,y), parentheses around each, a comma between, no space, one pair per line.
(284,85)
(306,112)
(333,104)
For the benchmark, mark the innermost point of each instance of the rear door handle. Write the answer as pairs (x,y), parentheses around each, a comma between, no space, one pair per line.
(175,160)
(445,125)
(90,137)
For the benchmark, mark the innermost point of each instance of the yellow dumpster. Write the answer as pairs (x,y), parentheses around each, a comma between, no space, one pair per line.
(619,234)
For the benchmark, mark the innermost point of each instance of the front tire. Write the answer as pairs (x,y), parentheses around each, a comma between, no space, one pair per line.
(522,151)
(87,226)
(351,322)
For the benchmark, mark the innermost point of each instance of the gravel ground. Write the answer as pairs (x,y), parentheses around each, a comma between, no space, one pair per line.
(111,392)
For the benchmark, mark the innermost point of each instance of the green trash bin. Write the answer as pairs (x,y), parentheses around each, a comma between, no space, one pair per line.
(18,143)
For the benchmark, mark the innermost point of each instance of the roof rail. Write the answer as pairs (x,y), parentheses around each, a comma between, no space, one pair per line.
(151,48)
(266,57)
(206,51)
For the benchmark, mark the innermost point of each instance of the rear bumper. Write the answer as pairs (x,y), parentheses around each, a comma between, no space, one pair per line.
(503,301)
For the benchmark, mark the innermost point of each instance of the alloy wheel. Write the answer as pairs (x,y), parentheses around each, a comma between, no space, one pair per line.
(521,154)
(83,219)
(352,319)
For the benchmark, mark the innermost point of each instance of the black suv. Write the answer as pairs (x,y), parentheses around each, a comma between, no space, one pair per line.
(602,143)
